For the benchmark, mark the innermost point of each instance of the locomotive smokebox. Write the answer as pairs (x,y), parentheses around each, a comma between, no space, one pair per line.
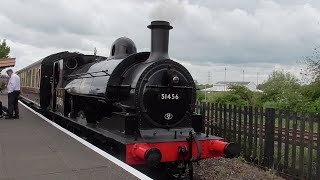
(159,40)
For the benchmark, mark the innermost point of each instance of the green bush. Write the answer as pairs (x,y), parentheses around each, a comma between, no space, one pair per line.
(230,98)
(257,99)
(200,96)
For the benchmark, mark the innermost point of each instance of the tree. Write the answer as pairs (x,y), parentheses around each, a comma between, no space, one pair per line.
(4,49)
(311,91)
(282,90)
(243,92)
(312,72)
(277,83)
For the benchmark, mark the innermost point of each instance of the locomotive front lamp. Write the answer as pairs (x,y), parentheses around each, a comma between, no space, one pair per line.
(175,79)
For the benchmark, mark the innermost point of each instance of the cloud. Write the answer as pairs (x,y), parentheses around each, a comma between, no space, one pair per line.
(208,35)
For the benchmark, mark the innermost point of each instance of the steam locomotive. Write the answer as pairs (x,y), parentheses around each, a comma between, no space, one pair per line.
(140,103)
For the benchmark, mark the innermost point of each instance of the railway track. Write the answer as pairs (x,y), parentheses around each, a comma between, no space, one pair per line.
(291,132)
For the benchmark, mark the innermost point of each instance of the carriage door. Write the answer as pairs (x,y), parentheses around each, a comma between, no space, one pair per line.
(57,90)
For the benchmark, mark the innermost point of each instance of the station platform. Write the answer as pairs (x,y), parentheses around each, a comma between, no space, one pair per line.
(34,148)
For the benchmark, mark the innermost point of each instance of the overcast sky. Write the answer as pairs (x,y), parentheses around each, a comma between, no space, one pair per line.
(207,35)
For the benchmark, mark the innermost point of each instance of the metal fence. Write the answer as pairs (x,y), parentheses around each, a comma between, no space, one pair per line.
(285,141)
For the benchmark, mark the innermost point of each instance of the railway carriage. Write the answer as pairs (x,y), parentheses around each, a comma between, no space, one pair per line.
(139,105)
(30,81)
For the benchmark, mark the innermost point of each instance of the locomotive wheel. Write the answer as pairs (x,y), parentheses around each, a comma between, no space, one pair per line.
(176,171)
(81,117)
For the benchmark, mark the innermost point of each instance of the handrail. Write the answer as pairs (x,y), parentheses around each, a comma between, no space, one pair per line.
(79,76)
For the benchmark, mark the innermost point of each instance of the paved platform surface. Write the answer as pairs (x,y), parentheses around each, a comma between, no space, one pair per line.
(33,149)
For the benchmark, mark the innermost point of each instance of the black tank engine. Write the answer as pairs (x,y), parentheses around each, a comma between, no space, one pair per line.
(155,90)
(142,103)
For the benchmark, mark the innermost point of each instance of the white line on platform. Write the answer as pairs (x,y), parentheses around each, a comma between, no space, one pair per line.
(123,165)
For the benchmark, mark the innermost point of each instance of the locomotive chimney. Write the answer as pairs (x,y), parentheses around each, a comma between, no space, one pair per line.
(159,40)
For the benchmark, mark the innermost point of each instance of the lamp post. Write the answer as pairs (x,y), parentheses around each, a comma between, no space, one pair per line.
(225,78)
(242,75)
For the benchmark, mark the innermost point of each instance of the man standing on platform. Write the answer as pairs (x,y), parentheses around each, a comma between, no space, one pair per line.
(13,95)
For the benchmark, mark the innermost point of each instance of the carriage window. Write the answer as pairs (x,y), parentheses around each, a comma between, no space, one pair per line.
(28,78)
(22,79)
(39,78)
(25,79)
(33,78)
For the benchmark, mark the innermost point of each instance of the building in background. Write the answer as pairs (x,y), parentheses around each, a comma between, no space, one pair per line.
(5,63)
(222,86)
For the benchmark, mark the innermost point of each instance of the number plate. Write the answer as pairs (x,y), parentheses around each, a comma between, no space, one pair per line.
(168,96)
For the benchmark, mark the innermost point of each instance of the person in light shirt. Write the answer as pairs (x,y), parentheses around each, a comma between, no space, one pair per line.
(13,95)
